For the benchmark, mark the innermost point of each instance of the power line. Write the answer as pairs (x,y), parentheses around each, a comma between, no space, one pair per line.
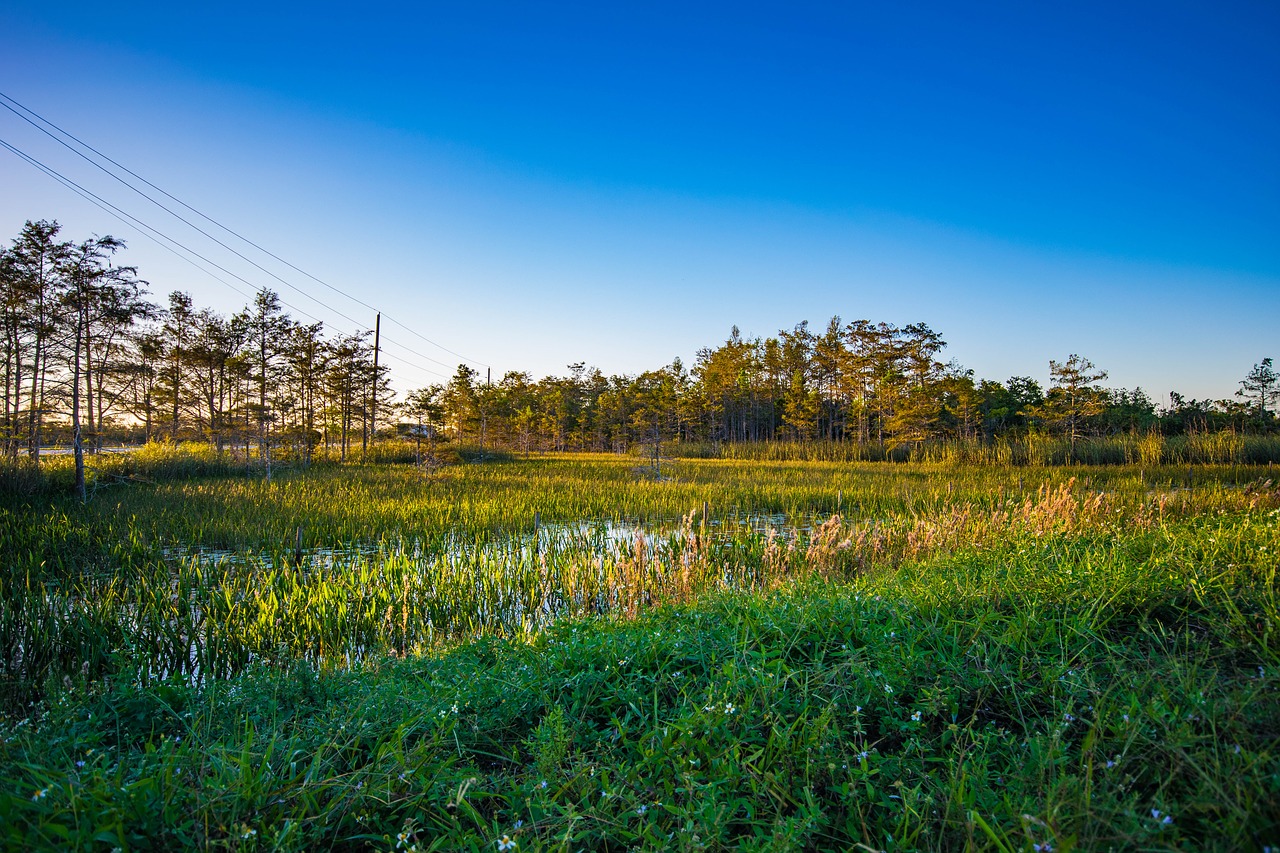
(75,188)
(214,222)
(180,218)
(128,218)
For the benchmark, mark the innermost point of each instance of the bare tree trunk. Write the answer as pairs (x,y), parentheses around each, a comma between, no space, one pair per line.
(33,436)
(88,386)
(76,443)
(16,415)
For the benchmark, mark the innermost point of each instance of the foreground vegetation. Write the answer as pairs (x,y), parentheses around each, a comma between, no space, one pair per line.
(899,657)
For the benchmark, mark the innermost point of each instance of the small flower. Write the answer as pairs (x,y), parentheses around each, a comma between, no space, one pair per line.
(542,784)
(80,763)
(1125,717)
(642,810)
(401,839)
(1067,718)
(916,716)
(1042,848)
(857,709)
(729,709)
(41,794)
(519,824)
(1110,763)
(505,843)
(888,689)
(248,833)
(862,756)
(1237,749)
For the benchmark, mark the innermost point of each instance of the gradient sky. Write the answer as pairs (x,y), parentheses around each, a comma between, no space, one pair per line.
(534,185)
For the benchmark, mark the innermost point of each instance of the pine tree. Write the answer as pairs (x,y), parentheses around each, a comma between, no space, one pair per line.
(1074,397)
(1262,385)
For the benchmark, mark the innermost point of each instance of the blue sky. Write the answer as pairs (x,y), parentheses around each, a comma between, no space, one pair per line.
(533,186)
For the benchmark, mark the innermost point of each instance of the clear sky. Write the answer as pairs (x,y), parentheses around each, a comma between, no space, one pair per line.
(531,185)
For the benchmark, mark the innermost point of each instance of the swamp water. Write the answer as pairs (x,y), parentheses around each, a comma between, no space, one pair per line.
(199,613)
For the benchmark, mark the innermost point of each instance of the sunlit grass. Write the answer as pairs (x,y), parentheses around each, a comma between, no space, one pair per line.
(905,657)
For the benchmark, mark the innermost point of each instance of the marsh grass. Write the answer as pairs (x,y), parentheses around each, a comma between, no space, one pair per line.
(917,657)
(1224,447)
(396,562)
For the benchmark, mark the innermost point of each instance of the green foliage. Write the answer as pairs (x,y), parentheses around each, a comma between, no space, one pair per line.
(961,657)
(814,718)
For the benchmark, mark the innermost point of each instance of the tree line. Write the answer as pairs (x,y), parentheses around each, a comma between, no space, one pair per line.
(86,352)
(869,383)
(87,355)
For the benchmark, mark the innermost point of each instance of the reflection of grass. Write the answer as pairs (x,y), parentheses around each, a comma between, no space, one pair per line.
(985,657)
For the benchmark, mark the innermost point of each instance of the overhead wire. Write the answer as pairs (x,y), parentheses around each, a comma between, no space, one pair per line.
(215,222)
(200,230)
(160,238)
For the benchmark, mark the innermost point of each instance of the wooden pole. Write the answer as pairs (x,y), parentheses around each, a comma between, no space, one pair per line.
(373,405)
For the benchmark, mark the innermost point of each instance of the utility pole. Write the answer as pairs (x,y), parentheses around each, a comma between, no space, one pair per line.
(373,406)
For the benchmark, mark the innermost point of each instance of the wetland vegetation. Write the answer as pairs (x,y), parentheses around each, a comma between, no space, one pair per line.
(904,657)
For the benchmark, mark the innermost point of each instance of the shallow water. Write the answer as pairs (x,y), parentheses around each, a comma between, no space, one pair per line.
(594,537)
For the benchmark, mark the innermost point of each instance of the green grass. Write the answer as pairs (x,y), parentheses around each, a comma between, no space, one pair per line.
(968,658)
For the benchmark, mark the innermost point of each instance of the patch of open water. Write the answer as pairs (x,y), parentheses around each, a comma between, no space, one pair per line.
(595,537)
